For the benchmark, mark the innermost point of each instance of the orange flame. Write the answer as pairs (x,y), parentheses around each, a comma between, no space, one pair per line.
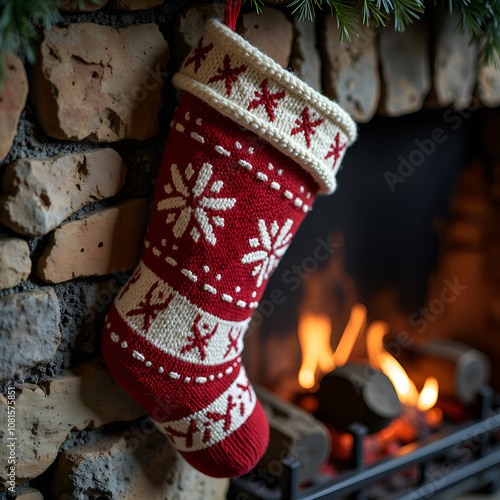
(375,342)
(380,359)
(429,394)
(317,355)
(354,327)
(404,386)
(314,337)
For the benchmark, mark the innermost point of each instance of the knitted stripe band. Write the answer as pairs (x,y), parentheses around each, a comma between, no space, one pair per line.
(244,84)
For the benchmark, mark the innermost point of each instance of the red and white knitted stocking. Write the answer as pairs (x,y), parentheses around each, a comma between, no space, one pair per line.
(228,201)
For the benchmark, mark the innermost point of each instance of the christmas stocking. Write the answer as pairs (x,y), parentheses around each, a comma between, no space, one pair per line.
(249,148)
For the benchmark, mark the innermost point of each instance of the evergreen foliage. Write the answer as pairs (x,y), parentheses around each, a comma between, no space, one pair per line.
(479,20)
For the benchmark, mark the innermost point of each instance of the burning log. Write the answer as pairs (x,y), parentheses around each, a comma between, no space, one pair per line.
(460,369)
(357,393)
(296,434)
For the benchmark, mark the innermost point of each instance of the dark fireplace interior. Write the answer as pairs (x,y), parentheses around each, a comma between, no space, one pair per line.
(400,244)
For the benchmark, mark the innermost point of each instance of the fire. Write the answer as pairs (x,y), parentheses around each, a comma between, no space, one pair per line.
(405,387)
(429,394)
(380,359)
(314,336)
(355,325)
(318,356)
(375,342)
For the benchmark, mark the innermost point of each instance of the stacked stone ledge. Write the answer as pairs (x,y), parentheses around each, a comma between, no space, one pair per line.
(71,216)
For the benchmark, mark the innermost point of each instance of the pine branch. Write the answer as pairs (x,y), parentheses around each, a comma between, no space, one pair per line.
(406,11)
(257,5)
(347,18)
(480,20)
(372,11)
(19,23)
(351,15)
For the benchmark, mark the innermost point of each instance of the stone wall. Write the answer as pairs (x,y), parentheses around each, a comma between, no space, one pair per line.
(80,155)
(82,134)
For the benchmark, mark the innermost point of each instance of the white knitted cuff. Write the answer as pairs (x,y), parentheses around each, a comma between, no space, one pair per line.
(242,83)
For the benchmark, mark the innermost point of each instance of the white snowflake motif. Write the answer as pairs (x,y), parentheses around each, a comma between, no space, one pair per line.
(267,259)
(186,204)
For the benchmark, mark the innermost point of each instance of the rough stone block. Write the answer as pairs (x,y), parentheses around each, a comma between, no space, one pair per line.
(405,69)
(134,4)
(271,32)
(13,96)
(15,262)
(144,465)
(488,84)
(351,70)
(87,5)
(455,65)
(29,330)
(305,59)
(39,193)
(28,494)
(107,241)
(87,397)
(100,83)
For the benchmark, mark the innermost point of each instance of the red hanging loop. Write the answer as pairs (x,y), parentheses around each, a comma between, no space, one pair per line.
(231,11)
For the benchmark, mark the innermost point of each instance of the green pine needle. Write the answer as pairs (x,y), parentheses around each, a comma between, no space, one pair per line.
(479,19)
(19,23)
(257,5)
(18,32)
(351,14)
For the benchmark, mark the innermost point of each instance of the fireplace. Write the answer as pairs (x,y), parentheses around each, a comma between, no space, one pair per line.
(395,268)
(388,276)
(436,464)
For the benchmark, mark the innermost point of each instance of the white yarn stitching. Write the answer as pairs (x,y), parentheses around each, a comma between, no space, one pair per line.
(173,375)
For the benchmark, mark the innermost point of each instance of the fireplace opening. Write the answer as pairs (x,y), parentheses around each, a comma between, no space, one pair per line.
(377,322)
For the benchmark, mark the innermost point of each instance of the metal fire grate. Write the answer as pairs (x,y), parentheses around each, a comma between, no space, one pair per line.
(461,459)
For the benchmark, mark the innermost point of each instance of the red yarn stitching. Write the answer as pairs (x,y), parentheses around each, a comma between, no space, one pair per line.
(233,342)
(148,310)
(231,11)
(245,388)
(306,126)
(197,340)
(216,417)
(266,99)
(199,55)
(129,284)
(230,75)
(188,435)
(336,149)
